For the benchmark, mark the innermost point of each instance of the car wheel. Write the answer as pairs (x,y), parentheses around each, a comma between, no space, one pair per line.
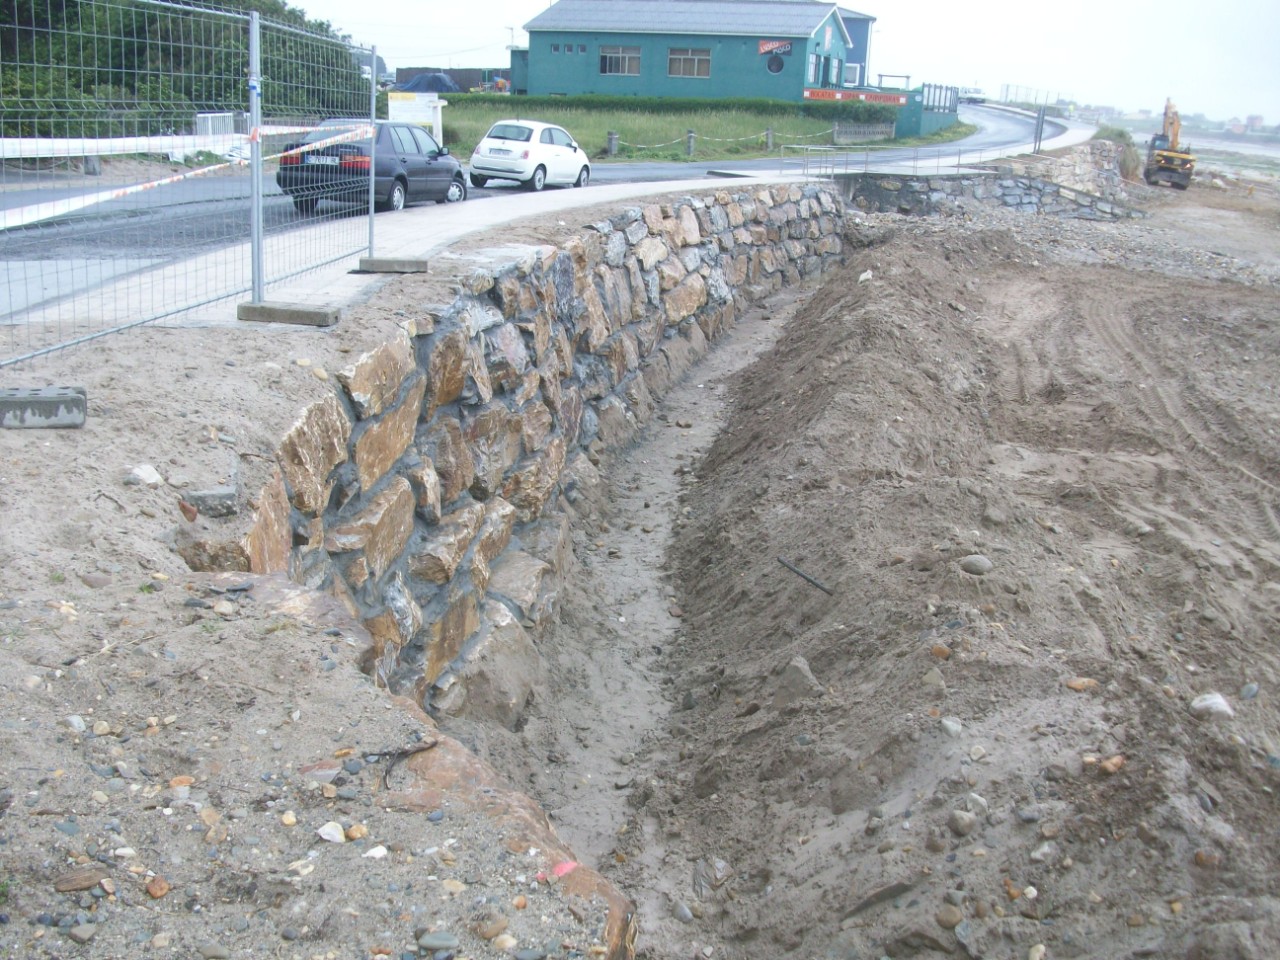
(306,205)
(538,180)
(478,181)
(395,199)
(584,177)
(457,191)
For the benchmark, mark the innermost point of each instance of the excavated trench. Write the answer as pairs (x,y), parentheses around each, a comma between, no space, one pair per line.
(596,740)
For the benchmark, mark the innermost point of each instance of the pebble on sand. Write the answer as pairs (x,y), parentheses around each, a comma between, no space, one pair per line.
(949,916)
(962,823)
(976,564)
(1082,684)
(1212,706)
(333,832)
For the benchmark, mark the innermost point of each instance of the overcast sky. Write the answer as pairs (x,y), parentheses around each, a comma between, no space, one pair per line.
(1217,58)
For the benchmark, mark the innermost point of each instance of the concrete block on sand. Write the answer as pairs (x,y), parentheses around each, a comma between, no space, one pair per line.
(394,265)
(42,407)
(299,313)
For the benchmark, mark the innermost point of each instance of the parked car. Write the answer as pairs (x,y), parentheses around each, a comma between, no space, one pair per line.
(530,153)
(410,166)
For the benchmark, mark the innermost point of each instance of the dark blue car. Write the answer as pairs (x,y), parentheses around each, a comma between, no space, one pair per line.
(407,164)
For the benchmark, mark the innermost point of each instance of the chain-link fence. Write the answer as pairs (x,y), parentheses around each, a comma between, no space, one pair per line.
(139,147)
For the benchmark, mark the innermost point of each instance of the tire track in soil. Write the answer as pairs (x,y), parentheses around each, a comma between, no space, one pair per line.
(605,712)
(1159,401)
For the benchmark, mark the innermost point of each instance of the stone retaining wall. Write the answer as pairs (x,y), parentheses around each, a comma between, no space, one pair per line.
(926,195)
(1084,183)
(1092,168)
(427,490)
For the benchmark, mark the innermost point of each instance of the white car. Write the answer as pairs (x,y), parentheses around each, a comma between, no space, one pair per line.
(530,153)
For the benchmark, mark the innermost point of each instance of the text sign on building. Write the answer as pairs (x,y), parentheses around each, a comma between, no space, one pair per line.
(896,99)
(776,46)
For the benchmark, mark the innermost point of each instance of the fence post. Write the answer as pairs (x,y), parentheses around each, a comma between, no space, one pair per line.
(688,143)
(255,156)
(611,143)
(768,139)
(373,138)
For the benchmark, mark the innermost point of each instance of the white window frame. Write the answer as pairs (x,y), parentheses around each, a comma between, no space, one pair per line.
(626,59)
(856,69)
(685,62)
(811,71)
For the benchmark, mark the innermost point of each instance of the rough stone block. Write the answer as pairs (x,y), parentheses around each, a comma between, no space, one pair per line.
(426,484)
(650,252)
(448,452)
(530,486)
(315,444)
(493,436)
(686,298)
(517,582)
(437,559)
(448,636)
(497,675)
(446,370)
(381,530)
(382,444)
(495,532)
(374,380)
(270,536)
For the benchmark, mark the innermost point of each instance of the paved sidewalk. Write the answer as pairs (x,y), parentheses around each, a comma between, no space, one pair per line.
(427,229)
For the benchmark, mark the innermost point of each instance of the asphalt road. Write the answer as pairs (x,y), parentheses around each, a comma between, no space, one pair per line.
(202,214)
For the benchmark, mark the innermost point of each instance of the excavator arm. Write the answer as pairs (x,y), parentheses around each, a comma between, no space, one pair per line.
(1172,124)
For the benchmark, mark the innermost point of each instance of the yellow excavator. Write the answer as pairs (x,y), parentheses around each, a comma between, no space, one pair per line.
(1167,160)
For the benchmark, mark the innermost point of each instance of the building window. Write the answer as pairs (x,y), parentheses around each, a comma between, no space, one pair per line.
(688,62)
(623,61)
(555,48)
(582,48)
(811,73)
(568,48)
(852,74)
(833,77)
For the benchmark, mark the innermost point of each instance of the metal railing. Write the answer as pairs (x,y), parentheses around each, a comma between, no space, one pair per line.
(138,146)
(810,160)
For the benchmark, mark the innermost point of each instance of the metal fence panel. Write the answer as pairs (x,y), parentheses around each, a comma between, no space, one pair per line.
(126,187)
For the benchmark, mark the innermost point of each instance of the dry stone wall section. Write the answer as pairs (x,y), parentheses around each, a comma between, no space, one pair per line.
(429,491)
(923,195)
(1085,182)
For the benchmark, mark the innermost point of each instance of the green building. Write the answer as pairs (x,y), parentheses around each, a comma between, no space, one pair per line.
(780,49)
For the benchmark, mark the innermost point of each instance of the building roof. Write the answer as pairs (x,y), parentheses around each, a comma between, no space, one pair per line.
(736,18)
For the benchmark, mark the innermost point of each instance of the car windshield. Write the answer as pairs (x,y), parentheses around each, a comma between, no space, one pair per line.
(511,131)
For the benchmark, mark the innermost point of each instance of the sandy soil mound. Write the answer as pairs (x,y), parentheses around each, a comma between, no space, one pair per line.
(1044,500)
